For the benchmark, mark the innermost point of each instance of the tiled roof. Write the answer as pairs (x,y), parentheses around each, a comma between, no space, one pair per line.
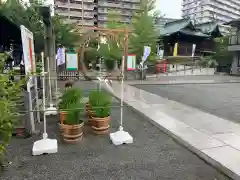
(210,28)
(183,26)
(175,26)
(186,26)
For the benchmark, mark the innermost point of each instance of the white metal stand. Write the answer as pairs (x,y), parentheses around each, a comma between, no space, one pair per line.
(51,110)
(45,145)
(121,136)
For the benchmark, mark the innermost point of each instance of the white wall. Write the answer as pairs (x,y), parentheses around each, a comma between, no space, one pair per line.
(194,72)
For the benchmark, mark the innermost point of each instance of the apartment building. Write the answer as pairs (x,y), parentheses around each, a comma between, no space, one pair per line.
(94,12)
(202,11)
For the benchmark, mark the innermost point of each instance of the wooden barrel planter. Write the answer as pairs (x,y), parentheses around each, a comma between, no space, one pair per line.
(101,125)
(62,116)
(89,113)
(72,133)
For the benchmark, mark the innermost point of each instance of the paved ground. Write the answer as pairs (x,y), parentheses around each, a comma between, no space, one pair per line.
(222,100)
(153,156)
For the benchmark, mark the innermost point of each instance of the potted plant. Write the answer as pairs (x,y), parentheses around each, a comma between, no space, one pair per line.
(88,107)
(70,96)
(101,105)
(72,127)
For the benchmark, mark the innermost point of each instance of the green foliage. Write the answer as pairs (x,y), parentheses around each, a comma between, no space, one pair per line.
(100,102)
(9,93)
(29,16)
(113,49)
(144,33)
(222,55)
(208,62)
(69,97)
(74,114)
(64,32)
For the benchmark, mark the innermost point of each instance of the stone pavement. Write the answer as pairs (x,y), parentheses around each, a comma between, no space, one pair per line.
(214,139)
(222,100)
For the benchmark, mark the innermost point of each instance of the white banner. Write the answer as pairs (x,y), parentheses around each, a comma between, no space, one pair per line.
(146,53)
(60,57)
(193,49)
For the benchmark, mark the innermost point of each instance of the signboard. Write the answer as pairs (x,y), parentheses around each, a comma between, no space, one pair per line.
(72,61)
(28,53)
(160,53)
(60,57)
(28,50)
(131,62)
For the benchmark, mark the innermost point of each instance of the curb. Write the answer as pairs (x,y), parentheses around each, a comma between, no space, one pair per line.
(182,83)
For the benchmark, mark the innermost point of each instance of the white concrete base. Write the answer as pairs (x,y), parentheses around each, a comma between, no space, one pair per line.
(45,146)
(51,110)
(121,137)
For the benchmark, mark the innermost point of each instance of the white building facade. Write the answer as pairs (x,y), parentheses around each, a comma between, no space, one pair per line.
(202,11)
(94,12)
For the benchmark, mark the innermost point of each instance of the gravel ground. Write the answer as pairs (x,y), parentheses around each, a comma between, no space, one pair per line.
(153,156)
(222,100)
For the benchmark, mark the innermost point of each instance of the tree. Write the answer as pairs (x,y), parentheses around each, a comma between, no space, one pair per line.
(144,33)
(222,55)
(29,16)
(112,51)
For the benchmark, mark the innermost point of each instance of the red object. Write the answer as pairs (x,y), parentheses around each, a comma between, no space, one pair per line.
(165,67)
(20,131)
(30,52)
(161,66)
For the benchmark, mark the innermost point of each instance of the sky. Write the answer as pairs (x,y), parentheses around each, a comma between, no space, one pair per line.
(169,8)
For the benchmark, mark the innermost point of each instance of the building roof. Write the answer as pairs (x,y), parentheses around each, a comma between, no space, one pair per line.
(9,31)
(183,26)
(193,33)
(210,28)
(234,23)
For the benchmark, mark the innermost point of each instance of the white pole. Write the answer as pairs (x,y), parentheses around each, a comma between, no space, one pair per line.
(100,69)
(121,136)
(56,89)
(32,122)
(122,90)
(49,82)
(56,86)
(44,96)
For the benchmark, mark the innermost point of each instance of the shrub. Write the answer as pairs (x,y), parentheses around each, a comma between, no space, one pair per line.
(100,102)
(74,114)
(69,97)
(10,91)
